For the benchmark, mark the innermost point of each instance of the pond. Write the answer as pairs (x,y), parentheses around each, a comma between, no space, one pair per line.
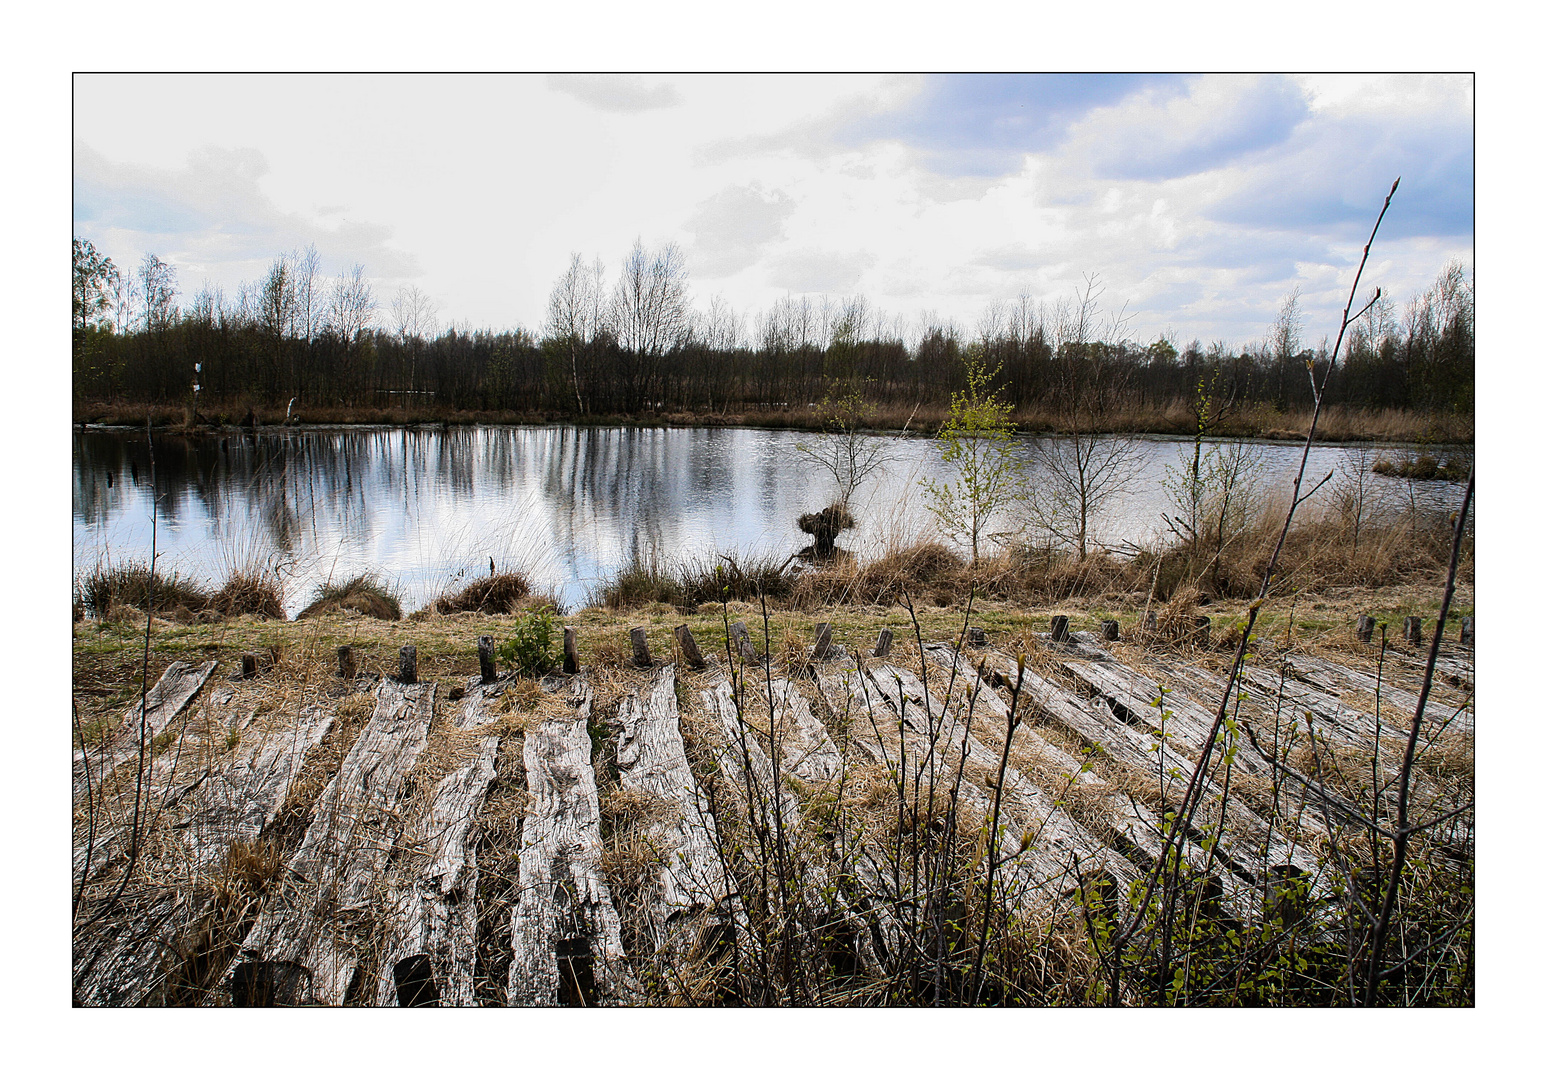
(568,505)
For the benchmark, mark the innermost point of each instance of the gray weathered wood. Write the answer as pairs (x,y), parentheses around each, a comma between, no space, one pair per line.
(408,664)
(1412,630)
(431,906)
(330,882)
(480,700)
(486,658)
(976,637)
(1109,629)
(1060,628)
(571,652)
(1365,630)
(641,643)
(1201,627)
(237,801)
(689,647)
(163,703)
(652,762)
(824,641)
(741,642)
(1468,631)
(563,903)
(883,644)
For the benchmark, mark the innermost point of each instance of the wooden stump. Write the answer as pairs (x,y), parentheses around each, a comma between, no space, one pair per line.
(1201,627)
(1109,629)
(1412,630)
(1366,629)
(346,663)
(883,643)
(1060,628)
(408,665)
(689,647)
(1467,631)
(486,657)
(249,666)
(976,637)
(571,652)
(641,644)
(742,641)
(1149,621)
(824,641)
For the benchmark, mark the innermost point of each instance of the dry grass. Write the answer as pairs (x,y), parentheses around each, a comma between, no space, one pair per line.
(496,594)
(364,594)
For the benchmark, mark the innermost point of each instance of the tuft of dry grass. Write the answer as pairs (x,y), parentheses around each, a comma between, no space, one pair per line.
(494,594)
(247,593)
(365,594)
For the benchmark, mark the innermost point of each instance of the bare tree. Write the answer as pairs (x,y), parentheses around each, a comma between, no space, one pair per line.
(156,293)
(351,305)
(414,316)
(1080,469)
(306,290)
(575,313)
(650,314)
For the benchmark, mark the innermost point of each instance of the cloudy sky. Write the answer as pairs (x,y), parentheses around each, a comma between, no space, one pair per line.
(1201,201)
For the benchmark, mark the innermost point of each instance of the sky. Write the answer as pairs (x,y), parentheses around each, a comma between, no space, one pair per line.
(1198,202)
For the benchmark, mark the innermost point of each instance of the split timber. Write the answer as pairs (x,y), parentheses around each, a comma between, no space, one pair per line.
(566,845)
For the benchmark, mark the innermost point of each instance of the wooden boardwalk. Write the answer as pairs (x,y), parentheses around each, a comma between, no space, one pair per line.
(381,844)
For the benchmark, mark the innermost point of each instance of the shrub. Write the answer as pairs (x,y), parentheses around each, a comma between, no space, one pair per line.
(496,594)
(364,593)
(531,648)
(249,594)
(135,585)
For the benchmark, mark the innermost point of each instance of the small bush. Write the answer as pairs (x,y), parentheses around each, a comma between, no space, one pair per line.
(641,584)
(135,585)
(364,593)
(1422,467)
(531,648)
(497,594)
(248,594)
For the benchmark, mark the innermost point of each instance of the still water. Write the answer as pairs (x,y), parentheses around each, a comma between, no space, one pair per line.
(568,505)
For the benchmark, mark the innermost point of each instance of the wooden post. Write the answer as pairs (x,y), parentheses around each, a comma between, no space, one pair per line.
(1467,631)
(571,652)
(976,637)
(408,664)
(1149,621)
(1109,629)
(1366,629)
(824,641)
(689,646)
(641,645)
(742,641)
(883,643)
(1060,628)
(1201,625)
(346,663)
(1412,629)
(486,657)
(249,666)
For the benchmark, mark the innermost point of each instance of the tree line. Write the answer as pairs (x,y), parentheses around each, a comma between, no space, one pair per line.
(635,344)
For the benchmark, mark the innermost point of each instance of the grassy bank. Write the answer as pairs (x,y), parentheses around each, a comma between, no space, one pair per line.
(1337,423)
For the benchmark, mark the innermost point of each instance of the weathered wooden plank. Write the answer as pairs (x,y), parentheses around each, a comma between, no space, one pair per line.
(237,801)
(312,929)
(479,699)
(565,936)
(652,761)
(1248,843)
(744,754)
(173,691)
(432,920)
(1339,679)
(1050,841)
